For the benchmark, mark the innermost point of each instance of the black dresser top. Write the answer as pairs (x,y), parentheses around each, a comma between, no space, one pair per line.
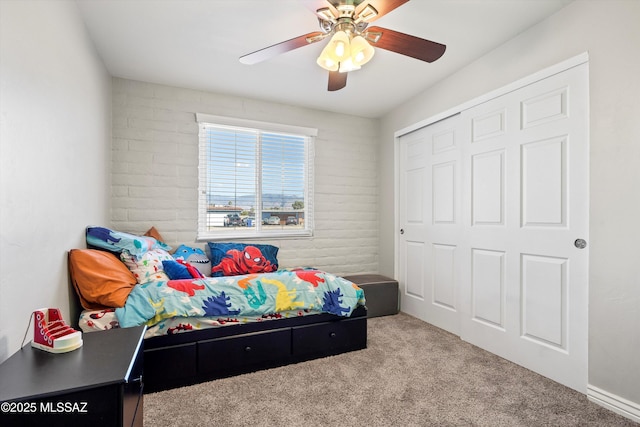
(106,357)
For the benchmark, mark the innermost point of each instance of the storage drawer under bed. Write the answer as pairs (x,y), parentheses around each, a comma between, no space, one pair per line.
(224,355)
(329,337)
(167,364)
(192,357)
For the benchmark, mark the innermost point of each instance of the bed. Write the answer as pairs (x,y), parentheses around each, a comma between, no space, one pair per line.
(238,314)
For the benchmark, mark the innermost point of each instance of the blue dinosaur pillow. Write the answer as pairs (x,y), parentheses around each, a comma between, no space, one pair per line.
(234,259)
(117,241)
(194,256)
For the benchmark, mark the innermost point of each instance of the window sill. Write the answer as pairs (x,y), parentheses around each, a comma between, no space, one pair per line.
(226,236)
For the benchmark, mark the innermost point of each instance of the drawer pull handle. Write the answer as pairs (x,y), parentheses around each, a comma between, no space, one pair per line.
(332,335)
(247,348)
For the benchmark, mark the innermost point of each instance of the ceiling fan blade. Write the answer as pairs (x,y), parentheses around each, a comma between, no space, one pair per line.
(282,47)
(404,44)
(337,80)
(381,6)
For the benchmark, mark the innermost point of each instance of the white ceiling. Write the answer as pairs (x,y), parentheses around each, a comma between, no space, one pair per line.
(196,44)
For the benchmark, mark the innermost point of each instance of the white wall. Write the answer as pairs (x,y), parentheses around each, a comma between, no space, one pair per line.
(155,172)
(54,156)
(608,30)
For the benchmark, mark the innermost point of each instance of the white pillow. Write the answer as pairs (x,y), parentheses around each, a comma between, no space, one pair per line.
(148,266)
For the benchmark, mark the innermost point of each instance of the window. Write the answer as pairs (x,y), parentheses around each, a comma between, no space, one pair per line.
(256,179)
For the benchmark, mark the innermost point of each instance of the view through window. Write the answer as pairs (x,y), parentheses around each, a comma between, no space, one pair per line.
(254,181)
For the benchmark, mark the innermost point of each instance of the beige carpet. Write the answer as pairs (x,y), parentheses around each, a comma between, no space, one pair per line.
(411,374)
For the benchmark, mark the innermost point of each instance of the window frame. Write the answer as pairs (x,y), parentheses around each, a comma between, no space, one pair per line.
(309,134)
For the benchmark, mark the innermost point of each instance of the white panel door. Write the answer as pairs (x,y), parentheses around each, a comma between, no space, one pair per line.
(493,202)
(430,221)
(526,202)
(412,217)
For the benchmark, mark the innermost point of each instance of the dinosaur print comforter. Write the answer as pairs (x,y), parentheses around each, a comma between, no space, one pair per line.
(240,296)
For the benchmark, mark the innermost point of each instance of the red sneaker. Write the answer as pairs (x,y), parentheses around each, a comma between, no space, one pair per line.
(52,334)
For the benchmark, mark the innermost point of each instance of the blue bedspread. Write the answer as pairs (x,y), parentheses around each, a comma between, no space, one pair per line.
(249,295)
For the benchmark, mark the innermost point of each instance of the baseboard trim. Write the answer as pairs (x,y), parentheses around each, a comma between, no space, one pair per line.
(614,403)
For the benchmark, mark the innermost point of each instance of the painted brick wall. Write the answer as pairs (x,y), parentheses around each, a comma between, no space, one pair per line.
(155,172)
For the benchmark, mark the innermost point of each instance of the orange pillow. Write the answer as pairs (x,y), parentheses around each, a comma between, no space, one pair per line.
(101,280)
(153,232)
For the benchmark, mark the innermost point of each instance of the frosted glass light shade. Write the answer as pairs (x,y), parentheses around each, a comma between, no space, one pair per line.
(326,61)
(348,65)
(361,51)
(339,45)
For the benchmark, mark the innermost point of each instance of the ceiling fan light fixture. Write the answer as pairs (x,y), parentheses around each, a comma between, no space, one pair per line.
(361,51)
(352,41)
(339,46)
(347,65)
(326,61)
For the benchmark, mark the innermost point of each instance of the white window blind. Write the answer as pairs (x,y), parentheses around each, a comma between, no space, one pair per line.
(255,179)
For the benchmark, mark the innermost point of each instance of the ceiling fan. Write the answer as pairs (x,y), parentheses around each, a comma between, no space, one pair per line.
(352,40)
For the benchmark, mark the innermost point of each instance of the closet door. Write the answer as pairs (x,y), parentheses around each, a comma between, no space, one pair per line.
(431,223)
(526,210)
(493,211)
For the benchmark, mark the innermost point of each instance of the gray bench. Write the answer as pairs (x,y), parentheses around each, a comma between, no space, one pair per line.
(381,293)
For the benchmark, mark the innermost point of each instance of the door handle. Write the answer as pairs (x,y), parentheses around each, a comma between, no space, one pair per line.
(402,231)
(580,243)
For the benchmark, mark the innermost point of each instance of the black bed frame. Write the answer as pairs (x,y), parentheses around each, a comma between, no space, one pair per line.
(193,357)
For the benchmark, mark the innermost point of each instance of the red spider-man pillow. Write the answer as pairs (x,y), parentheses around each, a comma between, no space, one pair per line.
(233,259)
